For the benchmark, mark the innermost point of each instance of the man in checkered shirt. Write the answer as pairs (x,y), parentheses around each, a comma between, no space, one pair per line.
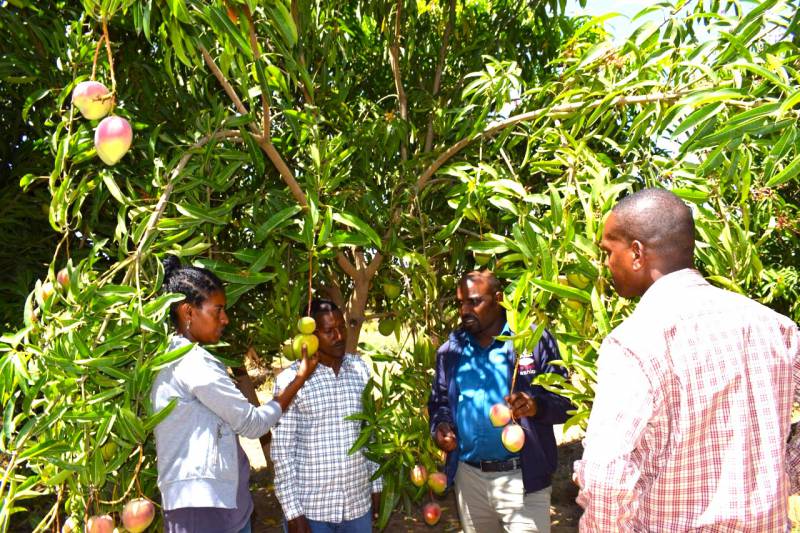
(694,392)
(320,486)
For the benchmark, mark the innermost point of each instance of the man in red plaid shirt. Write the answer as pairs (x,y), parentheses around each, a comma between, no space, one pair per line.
(694,394)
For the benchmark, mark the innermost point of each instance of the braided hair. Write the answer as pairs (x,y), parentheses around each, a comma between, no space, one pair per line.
(197,284)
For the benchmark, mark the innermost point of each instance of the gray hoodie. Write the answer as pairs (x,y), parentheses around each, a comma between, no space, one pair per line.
(196,442)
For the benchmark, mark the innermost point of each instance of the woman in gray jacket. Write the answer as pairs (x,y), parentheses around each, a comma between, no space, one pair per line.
(203,473)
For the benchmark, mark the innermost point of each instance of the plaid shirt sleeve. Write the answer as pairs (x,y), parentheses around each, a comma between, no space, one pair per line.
(793,446)
(608,472)
(282,452)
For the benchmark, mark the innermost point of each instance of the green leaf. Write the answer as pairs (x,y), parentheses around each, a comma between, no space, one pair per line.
(361,441)
(711,95)
(218,18)
(159,362)
(32,99)
(788,173)
(563,291)
(156,418)
(356,223)
(284,21)
(276,220)
(699,116)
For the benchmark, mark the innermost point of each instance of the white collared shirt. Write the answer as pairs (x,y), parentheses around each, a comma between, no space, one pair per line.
(691,415)
(314,474)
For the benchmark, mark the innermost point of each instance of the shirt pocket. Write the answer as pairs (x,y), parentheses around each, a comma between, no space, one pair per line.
(221,459)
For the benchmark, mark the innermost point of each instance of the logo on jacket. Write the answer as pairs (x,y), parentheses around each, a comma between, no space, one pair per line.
(527,365)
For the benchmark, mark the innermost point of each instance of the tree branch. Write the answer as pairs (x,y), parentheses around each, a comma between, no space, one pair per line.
(374,265)
(265,119)
(562,109)
(301,58)
(223,81)
(283,169)
(136,259)
(261,137)
(162,201)
(346,265)
(394,61)
(437,77)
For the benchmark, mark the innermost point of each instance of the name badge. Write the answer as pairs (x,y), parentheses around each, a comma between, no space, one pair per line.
(527,365)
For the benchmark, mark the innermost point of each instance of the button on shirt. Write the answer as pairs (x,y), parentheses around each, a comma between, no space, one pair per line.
(691,415)
(482,379)
(314,474)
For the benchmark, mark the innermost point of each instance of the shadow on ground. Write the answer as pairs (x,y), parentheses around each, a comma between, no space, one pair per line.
(564,511)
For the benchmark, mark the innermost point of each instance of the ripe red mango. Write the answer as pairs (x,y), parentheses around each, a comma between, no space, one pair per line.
(112,139)
(513,438)
(63,277)
(431,513)
(419,475)
(500,415)
(100,524)
(138,514)
(70,526)
(47,290)
(92,99)
(437,482)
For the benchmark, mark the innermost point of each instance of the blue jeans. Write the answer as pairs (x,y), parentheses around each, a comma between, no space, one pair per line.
(362,524)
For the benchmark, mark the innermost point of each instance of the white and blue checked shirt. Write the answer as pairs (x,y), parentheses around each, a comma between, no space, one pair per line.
(314,475)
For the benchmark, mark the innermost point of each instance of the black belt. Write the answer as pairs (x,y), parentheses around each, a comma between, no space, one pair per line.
(496,466)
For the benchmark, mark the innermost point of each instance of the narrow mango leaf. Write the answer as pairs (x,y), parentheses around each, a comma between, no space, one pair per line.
(97,471)
(163,360)
(284,21)
(49,447)
(599,312)
(156,418)
(361,441)
(222,25)
(132,424)
(112,187)
(449,229)
(789,172)
(276,220)
(563,291)
(693,195)
(159,307)
(356,223)
(711,95)
(389,501)
(246,278)
(200,213)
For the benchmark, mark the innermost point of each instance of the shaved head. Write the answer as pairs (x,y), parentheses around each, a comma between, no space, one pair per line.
(482,276)
(661,221)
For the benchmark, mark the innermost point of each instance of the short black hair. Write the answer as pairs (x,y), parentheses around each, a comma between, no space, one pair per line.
(196,283)
(484,275)
(660,220)
(320,306)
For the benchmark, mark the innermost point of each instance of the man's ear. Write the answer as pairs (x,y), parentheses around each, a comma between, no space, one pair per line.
(637,252)
(498,296)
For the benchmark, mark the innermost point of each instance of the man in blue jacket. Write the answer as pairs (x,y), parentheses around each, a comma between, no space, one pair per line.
(496,490)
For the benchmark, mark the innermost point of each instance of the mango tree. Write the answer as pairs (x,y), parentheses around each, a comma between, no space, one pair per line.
(351,144)
(282,145)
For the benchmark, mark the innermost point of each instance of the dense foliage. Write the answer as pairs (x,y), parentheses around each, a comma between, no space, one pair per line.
(352,144)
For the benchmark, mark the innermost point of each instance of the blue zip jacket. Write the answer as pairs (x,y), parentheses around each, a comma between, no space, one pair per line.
(538,456)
